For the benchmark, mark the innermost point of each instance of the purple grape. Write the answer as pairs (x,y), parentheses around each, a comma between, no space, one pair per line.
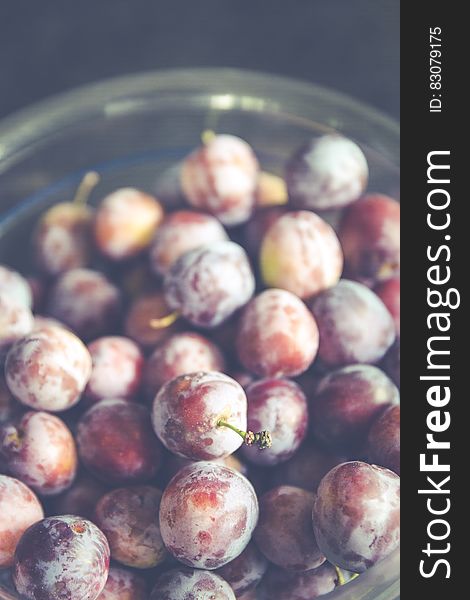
(191,584)
(356,515)
(279,406)
(61,557)
(355,325)
(284,533)
(208,284)
(207,515)
(328,172)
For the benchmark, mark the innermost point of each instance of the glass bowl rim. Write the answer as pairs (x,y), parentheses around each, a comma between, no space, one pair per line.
(28,125)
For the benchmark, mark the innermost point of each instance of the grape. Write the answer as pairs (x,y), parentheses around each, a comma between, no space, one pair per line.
(389,292)
(62,239)
(116,442)
(328,172)
(220,177)
(277,335)
(306,468)
(180,354)
(40,451)
(306,585)
(370,236)
(16,321)
(384,440)
(48,369)
(180,232)
(117,369)
(189,584)
(284,533)
(300,253)
(123,584)
(356,515)
(15,286)
(207,515)
(86,301)
(347,402)
(208,284)
(61,557)
(19,508)
(138,321)
(279,406)
(187,410)
(126,222)
(245,571)
(354,324)
(128,518)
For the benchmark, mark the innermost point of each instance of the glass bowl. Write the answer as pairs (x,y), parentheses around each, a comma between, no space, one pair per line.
(134,129)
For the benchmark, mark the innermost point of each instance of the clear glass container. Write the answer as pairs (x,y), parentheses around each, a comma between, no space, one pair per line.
(133,129)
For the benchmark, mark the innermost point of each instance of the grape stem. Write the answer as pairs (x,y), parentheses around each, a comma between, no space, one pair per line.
(341,578)
(262,439)
(89,181)
(166,321)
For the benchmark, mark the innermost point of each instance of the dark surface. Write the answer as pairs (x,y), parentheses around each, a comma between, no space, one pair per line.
(50,46)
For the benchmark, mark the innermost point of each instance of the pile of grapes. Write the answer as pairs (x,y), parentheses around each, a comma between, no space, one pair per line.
(194,392)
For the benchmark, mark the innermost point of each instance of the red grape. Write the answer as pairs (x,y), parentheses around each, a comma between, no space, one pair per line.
(19,508)
(370,236)
(116,442)
(356,515)
(355,325)
(180,232)
(63,238)
(384,440)
(208,284)
(191,584)
(277,335)
(328,172)
(220,177)
(117,369)
(207,515)
(86,301)
(128,518)
(301,253)
(49,369)
(347,402)
(40,451)
(180,354)
(187,410)
(279,406)
(284,533)
(125,223)
(61,557)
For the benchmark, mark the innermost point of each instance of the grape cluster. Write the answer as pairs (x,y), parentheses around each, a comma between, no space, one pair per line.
(198,394)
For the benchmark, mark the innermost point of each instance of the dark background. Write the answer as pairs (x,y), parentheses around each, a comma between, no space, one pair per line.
(49,46)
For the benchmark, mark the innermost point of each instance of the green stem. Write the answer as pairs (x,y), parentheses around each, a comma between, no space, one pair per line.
(262,439)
